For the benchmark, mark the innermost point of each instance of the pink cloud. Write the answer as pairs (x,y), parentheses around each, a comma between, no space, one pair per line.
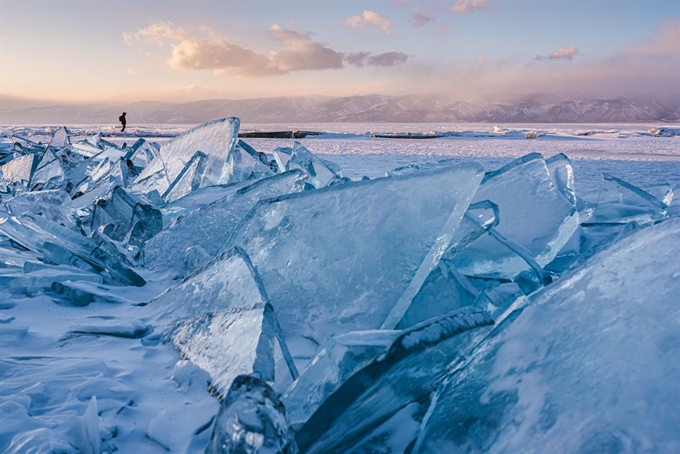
(279,33)
(467,6)
(419,19)
(563,53)
(371,18)
(362,59)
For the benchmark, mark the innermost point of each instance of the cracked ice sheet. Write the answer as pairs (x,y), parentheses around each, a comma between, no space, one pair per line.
(589,364)
(69,368)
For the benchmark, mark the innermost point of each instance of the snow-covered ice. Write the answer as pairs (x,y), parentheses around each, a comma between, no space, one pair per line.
(453,289)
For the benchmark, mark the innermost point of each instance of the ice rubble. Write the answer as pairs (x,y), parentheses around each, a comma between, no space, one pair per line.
(330,315)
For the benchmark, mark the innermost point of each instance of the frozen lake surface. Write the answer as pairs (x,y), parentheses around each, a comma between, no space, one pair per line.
(90,359)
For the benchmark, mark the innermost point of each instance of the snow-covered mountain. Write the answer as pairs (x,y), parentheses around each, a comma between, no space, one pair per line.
(535,108)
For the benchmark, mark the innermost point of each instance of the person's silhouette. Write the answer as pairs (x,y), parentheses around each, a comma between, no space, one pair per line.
(123,121)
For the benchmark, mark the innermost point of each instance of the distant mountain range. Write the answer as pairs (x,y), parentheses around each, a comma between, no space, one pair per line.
(536,108)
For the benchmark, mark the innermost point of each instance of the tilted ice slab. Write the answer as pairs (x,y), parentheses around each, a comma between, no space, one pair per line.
(49,173)
(189,179)
(320,173)
(39,275)
(215,139)
(534,213)
(232,342)
(350,257)
(19,170)
(446,289)
(405,373)
(210,227)
(337,360)
(589,364)
(54,204)
(620,202)
(244,163)
(61,138)
(220,318)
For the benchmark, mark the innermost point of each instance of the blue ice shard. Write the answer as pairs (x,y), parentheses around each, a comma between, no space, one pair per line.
(535,213)
(245,163)
(60,139)
(121,209)
(54,204)
(663,192)
(39,275)
(405,373)
(61,245)
(596,238)
(49,172)
(189,179)
(320,173)
(210,226)
(20,170)
(621,202)
(251,419)
(281,156)
(220,318)
(101,179)
(215,139)
(228,281)
(588,364)
(351,256)
(231,342)
(88,147)
(115,209)
(446,289)
(562,176)
(337,360)
(154,177)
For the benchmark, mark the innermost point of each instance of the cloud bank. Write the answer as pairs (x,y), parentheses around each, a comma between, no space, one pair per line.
(206,50)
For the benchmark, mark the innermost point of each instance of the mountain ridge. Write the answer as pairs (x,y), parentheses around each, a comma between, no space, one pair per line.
(532,108)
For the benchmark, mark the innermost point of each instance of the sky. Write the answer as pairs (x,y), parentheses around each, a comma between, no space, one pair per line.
(82,51)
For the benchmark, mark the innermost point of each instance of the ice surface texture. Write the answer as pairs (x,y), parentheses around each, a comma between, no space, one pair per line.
(350,256)
(588,364)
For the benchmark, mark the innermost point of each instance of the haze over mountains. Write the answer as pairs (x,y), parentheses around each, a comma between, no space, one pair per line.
(535,108)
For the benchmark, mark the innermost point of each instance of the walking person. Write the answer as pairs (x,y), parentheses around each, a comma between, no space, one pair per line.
(122,121)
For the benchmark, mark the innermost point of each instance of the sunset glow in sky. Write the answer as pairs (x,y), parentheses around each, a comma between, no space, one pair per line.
(172,50)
